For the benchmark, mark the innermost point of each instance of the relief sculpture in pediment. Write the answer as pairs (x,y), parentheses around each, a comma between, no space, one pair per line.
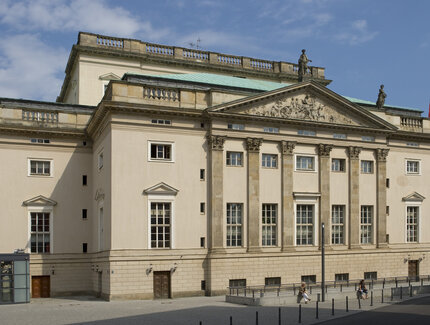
(304,107)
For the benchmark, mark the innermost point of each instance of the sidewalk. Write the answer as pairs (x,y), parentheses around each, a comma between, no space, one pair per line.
(182,311)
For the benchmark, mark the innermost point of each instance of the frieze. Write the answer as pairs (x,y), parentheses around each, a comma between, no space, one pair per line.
(301,107)
(381,154)
(253,144)
(324,149)
(354,152)
(216,142)
(287,147)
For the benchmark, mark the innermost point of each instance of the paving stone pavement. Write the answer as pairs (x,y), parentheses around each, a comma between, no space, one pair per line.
(180,311)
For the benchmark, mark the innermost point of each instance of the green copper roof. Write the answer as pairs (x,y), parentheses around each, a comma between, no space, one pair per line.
(215,79)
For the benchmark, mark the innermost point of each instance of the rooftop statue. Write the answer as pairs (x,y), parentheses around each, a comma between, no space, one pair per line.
(381,98)
(303,65)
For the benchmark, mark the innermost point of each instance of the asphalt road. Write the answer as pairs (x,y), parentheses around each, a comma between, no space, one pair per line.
(411,312)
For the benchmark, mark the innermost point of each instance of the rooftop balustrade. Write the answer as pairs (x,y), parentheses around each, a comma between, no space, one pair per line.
(194,55)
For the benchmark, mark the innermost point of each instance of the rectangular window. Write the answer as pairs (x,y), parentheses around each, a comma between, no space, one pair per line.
(202,242)
(309,278)
(305,163)
(387,183)
(337,224)
(100,160)
(40,167)
(387,210)
(202,207)
(161,151)
(202,174)
(269,222)
(304,224)
(338,165)
(307,133)
(368,138)
(84,213)
(84,247)
(160,224)
(412,167)
(367,167)
(366,220)
(40,232)
(339,136)
(412,144)
(412,214)
(234,224)
(84,180)
(234,126)
(234,158)
(272,282)
(269,161)
(341,277)
(237,283)
(33,140)
(370,275)
(163,122)
(271,130)
(203,285)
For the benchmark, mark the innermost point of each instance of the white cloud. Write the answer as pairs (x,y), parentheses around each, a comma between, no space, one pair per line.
(61,15)
(357,33)
(29,68)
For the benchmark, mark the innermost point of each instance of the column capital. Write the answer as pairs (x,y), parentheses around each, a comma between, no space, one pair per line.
(287,147)
(253,144)
(324,149)
(381,154)
(354,152)
(216,142)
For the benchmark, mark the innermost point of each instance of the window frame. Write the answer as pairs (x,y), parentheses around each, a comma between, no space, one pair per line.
(161,143)
(236,126)
(51,167)
(371,163)
(314,222)
(417,223)
(44,209)
(307,133)
(342,165)
(270,129)
(314,162)
(160,201)
(273,157)
(237,225)
(367,225)
(273,227)
(100,160)
(228,159)
(159,121)
(341,225)
(407,171)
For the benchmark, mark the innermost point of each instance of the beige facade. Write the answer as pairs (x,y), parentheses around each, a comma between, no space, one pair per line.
(182,176)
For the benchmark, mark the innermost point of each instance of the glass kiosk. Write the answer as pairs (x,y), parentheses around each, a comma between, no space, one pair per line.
(14,278)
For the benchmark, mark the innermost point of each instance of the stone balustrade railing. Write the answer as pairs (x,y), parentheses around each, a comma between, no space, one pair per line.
(160,93)
(47,117)
(410,122)
(180,53)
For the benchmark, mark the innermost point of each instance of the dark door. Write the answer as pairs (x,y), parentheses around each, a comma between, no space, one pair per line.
(413,270)
(161,285)
(40,286)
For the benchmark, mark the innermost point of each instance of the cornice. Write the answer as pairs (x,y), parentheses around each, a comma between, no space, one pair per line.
(62,133)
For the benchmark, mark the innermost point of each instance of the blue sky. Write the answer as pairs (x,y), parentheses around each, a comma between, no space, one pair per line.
(362,44)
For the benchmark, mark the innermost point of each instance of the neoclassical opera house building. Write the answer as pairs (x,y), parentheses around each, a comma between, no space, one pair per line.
(163,171)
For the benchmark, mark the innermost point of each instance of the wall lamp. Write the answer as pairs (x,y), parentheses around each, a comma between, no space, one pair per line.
(173,269)
(52,269)
(149,269)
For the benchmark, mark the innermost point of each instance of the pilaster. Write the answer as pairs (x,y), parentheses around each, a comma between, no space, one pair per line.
(287,212)
(253,236)
(381,192)
(354,203)
(216,231)
(324,182)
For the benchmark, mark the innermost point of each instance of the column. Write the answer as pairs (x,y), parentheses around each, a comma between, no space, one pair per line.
(324,180)
(381,200)
(287,212)
(253,224)
(354,203)
(216,231)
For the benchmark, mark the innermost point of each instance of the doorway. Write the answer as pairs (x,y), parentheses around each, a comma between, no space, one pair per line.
(40,286)
(413,270)
(162,285)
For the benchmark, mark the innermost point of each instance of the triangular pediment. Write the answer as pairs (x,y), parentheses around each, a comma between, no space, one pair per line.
(414,197)
(109,76)
(307,102)
(161,189)
(39,200)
